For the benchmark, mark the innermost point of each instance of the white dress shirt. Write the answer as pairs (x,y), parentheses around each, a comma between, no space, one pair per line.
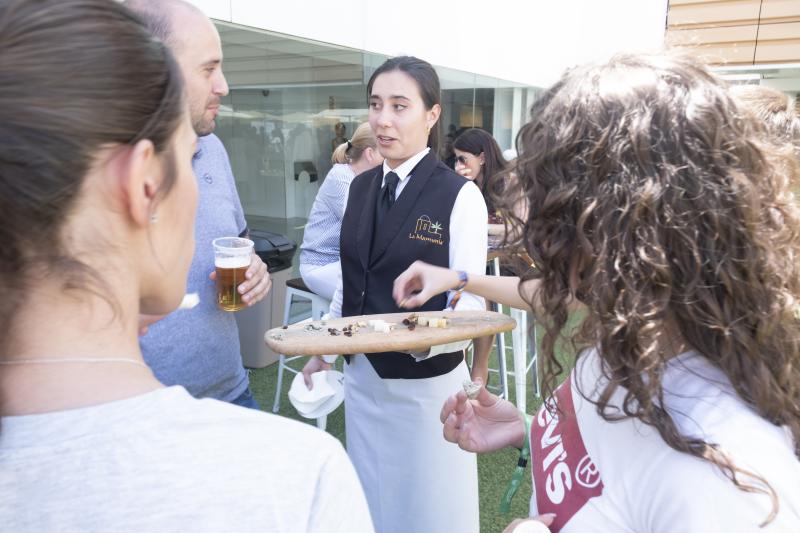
(468,244)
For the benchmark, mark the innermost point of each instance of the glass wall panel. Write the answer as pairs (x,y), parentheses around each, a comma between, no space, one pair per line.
(292,101)
(485,90)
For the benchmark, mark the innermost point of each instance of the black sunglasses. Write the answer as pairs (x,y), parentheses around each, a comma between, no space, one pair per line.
(461,159)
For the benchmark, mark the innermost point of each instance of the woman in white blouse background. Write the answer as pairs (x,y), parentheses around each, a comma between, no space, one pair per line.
(320,267)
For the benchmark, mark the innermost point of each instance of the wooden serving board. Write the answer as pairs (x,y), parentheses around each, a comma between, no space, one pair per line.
(299,339)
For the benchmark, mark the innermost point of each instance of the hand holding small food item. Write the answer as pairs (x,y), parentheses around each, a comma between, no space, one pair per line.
(484,424)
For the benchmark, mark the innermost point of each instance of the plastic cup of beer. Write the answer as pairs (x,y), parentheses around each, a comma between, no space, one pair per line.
(232,257)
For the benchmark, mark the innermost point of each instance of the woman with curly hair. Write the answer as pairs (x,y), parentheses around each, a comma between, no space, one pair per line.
(661,218)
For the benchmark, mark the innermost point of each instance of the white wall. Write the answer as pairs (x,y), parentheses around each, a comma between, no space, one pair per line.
(526,41)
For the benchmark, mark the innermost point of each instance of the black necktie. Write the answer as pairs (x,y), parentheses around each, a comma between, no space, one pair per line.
(387,196)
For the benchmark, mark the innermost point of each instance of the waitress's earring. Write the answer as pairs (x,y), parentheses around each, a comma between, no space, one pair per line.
(154,218)
(428,130)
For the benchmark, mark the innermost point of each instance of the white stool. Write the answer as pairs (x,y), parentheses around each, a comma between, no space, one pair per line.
(519,347)
(319,306)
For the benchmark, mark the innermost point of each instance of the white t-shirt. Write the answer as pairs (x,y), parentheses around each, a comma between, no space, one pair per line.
(164,461)
(600,476)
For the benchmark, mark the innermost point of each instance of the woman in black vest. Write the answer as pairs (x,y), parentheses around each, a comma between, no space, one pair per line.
(411,208)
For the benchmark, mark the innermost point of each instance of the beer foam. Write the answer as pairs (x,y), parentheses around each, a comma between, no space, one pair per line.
(232,262)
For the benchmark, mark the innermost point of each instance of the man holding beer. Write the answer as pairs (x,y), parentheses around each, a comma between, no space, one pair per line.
(199,348)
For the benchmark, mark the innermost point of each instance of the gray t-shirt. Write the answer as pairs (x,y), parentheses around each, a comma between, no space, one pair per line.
(199,348)
(164,461)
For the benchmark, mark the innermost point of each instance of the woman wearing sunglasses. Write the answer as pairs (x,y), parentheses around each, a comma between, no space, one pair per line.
(478,157)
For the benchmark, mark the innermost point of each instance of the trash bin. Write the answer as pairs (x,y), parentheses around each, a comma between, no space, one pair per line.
(276,251)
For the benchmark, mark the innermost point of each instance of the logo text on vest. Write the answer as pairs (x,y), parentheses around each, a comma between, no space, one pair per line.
(428,231)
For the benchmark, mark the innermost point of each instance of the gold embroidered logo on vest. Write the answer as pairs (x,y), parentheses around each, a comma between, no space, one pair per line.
(427,231)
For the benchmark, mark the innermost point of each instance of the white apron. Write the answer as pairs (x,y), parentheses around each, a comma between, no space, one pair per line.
(415,481)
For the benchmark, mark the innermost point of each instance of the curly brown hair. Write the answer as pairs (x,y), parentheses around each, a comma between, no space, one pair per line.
(653,202)
(774,109)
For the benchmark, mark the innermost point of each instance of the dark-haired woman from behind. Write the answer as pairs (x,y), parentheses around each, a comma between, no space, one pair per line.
(655,210)
(97,214)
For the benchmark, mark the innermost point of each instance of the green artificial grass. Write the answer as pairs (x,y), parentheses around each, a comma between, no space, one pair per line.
(494,469)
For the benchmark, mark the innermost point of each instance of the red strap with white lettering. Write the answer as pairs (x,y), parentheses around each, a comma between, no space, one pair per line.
(564,476)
